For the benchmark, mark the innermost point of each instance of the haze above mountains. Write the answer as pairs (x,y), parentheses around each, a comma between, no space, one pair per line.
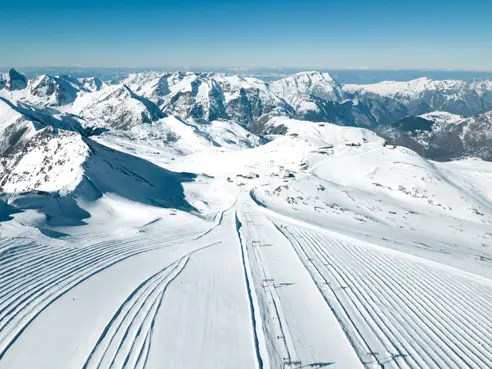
(343,76)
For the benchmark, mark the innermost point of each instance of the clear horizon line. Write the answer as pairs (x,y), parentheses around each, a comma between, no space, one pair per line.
(304,68)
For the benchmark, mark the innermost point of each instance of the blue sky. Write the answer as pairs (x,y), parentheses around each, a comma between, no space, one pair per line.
(434,34)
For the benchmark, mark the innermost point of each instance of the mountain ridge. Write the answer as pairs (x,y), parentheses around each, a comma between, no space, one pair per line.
(90,106)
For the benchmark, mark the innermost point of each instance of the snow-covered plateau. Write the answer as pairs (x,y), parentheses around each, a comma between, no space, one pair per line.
(183,220)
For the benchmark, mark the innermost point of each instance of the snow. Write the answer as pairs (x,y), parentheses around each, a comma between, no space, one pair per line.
(208,96)
(443,117)
(14,126)
(8,114)
(408,89)
(191,244)
(369,287)
(115,107)
(321,85)
(169,138)
(68,148)
(452,95)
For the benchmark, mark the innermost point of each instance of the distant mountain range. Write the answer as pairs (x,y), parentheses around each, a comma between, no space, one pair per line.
(443,136)
(403,112)
(343,76)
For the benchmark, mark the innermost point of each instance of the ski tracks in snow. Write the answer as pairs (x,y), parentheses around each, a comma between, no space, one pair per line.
(34,275)
(126,340)
(399,312)
(273,342)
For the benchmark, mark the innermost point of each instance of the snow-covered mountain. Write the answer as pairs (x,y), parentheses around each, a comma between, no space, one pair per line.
(116,107)
(444,136)
(53,91)
(209,96)
(15,127)
(205,97)
(171,137)
(209,106)
(424,95)
(318,97)
(69,168)
(19,121)
(301,86)
(12,81)
(47,161)
(92,83)
(137,108)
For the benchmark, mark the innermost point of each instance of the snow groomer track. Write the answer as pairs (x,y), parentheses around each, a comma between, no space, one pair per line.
(33,275)
(399,311)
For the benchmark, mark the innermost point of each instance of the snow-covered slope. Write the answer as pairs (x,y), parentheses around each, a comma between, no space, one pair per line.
(66,163)
(442,117)
(163,140)
(48,161)
(373,189)
(19,121)
(325,133)
(116,107)
(322,247)
(14,127)
(66,178)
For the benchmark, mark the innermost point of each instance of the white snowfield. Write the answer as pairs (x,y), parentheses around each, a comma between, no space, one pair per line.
(171,137)
(208,248)
(412,89)
(442,117)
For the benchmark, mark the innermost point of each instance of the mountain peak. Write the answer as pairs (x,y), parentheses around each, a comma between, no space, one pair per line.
(92,83)
(308,84)
(13,80)
(117,107)
(315,73)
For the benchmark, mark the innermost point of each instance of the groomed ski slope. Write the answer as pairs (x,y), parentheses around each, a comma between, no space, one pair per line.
(395,309)
(398,311)
(258,276)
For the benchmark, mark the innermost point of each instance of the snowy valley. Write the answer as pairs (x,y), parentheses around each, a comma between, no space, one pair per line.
(202,220)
